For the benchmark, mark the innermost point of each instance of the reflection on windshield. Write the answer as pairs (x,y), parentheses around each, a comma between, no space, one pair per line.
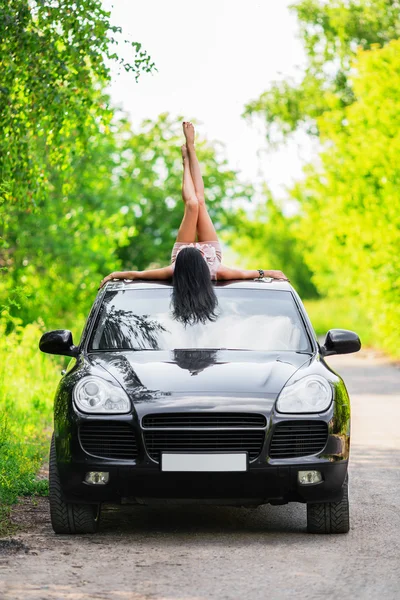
(248,319)
(122,328)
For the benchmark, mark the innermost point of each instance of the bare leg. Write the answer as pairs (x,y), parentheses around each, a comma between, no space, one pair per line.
(205,227)
(187,230)
(188,130)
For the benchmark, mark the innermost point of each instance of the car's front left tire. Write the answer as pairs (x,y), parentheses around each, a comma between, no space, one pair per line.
(68,517)
(330,517)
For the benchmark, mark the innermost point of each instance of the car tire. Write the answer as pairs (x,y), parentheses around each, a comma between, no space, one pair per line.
(330,517)
(67,517)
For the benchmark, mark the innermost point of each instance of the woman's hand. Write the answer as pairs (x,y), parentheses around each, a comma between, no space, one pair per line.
(107,278)
(276,275)
(119,275)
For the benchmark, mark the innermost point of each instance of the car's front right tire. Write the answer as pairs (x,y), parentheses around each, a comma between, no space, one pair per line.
(330,517)
(68,517)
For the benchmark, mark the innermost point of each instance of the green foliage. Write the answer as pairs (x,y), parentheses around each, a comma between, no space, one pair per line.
(53,67)
(270,240)
(54,59)
(287,105)
(27,384)
(340,313)
(56,254)
(352,198)
(331,32)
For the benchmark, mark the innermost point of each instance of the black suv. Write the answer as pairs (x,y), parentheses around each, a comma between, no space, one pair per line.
(243,411)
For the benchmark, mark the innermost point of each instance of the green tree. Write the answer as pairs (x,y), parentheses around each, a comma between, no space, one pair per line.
(54,59)
(53,67)
(351,198)
(332,32)
(270,239)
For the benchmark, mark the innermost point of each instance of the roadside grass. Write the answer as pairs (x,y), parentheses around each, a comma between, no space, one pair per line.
(340,313)
(27,386)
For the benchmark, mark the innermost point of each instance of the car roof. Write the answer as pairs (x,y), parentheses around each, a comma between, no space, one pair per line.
(265,284)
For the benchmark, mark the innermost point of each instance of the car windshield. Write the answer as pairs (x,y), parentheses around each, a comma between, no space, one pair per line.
(248,319)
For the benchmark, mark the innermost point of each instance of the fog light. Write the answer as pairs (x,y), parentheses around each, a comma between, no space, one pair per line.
(309,477)
(97,477)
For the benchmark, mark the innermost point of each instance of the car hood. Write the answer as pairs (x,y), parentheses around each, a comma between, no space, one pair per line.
(184,379)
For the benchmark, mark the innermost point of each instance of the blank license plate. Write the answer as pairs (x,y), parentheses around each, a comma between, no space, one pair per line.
(204,462)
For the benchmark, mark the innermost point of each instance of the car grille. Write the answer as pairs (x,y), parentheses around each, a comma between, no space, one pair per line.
(204,420)
(293,439)
(201,432)
(108,440)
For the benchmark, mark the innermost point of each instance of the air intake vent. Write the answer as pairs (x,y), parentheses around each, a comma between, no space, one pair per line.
(108,440)
(204,441)
(293,439)
(185,420)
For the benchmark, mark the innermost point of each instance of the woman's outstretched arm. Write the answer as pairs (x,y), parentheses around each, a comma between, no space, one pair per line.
(163,273)
(228,273)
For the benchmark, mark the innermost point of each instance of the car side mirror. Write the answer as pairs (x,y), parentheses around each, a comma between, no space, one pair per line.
(340,341)
(58,342)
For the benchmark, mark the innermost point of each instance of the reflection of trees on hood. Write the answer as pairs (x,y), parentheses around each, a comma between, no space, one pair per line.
(119,366)
(195,361)
(124,329)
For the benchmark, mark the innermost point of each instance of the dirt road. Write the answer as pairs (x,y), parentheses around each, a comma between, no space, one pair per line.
(224,553)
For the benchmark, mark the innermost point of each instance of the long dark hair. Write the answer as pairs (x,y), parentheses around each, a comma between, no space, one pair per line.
(193,297)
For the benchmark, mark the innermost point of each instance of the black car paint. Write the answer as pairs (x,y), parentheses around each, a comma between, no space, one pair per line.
(225,380)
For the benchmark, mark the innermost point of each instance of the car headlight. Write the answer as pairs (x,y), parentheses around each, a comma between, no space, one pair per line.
(307,395)
(95,395)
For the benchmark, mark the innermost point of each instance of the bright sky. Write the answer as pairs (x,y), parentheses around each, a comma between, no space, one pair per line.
(213,56)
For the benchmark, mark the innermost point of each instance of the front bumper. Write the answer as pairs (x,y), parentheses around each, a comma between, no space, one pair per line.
(267,480)
(271,484)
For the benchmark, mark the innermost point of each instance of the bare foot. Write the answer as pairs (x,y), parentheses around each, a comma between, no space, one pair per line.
(188,130)
(184,151)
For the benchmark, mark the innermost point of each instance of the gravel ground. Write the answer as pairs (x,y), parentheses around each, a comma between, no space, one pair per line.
(223,553)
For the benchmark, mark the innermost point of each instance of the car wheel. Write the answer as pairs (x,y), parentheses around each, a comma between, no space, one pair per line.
(67,517)
(330,517)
